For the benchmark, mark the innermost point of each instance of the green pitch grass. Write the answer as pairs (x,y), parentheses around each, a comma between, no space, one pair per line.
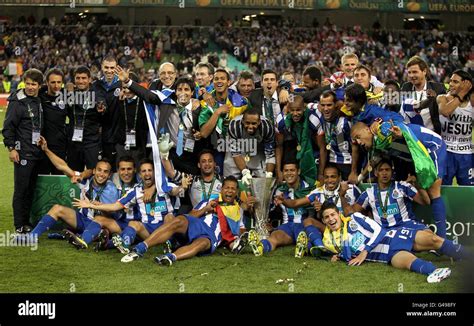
(56,267)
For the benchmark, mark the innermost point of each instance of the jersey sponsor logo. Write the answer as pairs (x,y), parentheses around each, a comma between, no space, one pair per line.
(357,240)
(160,206)
(392,209)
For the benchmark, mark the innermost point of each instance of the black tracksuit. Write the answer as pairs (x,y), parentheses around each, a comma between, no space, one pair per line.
(130,108)
(87,152)
(110,94)
(24,114)
(54,112)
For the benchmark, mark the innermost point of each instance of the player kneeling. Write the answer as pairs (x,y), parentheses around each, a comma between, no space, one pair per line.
(358,238)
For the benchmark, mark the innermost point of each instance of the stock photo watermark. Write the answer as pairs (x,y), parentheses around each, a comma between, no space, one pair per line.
(12,239)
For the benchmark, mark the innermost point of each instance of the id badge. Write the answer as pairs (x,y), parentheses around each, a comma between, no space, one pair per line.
(35,136)
(131,139)
(189,145)
(78,134)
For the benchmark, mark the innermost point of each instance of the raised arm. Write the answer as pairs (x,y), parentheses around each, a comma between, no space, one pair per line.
(58,162)
(143,93)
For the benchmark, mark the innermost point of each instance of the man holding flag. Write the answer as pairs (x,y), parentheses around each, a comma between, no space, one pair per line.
(416,144)
(294,133)
(216,114)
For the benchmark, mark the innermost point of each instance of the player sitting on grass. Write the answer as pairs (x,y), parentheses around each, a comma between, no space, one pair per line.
(286,234)
(334,191)
(202,230)
(148,216)
(357,238)
(95,188)
(411,143)
(124,180)
(391,201)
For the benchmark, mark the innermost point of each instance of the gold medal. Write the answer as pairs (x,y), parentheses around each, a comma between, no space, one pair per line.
(247,158)
(328,147)
(369,168)
(385,215)
(298,148)
(181,126)
(152,212)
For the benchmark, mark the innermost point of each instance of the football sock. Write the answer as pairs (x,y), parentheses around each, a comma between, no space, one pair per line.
(128,235)
(91,231)
(422,266)
(439,216)
(141,248)
(44,225)
(267,246)
(314,236)
(455,251)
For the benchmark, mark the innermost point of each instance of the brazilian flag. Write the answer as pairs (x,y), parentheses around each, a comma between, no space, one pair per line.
(236,102)
(425,169)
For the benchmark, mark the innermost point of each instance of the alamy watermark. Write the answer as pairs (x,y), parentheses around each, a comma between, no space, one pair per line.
(85,98)
(9,239)
(246,146)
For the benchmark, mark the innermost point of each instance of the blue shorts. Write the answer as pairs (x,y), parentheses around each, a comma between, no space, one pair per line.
(292,229)
(412,224)
(198,229)
(122,223)
(460,166)
(150,227)
(439,158)
(82,222)
(395,240)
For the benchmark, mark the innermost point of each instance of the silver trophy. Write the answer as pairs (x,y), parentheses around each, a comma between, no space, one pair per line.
(262,190)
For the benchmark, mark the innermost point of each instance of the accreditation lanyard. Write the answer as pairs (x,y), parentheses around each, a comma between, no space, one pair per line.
(207,196)
(90,193)
(130,133)
(78,132)
(127,129)
(85,107)
(36,129)
(383,206)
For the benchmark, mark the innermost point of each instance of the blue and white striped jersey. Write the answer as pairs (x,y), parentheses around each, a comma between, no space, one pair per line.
(339,139)
(333,196)
(399,203)
(153,212)
(293,215)
(363,233)
(106,194)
